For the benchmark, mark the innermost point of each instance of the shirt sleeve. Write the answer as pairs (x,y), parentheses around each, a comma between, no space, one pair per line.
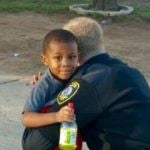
(85,98)
(36,100)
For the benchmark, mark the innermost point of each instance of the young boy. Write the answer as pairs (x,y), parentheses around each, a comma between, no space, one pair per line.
(60,55)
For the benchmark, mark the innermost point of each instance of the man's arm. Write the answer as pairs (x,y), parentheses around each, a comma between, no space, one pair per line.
(87,108)
(84,96)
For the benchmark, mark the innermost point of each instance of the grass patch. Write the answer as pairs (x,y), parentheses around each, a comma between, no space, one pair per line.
(141,10)
(41,6)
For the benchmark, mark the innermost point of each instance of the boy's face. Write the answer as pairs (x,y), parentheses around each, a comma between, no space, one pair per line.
(62,59)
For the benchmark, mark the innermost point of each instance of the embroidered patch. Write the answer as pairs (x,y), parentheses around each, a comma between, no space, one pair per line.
(68,93)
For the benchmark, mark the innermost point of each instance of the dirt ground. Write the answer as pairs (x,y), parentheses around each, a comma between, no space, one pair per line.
(21,34)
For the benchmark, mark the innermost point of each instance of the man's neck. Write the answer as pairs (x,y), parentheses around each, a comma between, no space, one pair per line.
(89,56)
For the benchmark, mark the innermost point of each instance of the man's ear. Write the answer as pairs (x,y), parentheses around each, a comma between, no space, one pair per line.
(80,57)
(44,60)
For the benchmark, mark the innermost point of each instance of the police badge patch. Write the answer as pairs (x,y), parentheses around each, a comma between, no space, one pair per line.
(68,92)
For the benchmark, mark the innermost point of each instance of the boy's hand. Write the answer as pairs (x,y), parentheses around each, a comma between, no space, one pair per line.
(35,78)
(65,114)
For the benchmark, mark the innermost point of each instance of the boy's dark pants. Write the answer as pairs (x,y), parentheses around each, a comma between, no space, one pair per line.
(42,138)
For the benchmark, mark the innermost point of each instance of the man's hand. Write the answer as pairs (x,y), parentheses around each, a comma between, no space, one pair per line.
(35,78)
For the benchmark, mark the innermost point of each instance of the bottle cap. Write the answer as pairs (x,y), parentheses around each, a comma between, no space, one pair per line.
(71,105)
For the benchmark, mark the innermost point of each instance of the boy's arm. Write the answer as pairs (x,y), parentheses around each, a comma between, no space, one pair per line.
(33,119)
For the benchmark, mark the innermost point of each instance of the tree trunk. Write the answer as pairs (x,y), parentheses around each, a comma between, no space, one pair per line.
(105,4)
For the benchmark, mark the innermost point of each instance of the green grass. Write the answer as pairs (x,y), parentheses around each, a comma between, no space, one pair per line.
(41,6)
(141,10)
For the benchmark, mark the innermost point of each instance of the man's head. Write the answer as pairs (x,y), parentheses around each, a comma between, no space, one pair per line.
(60,53)
(89,35)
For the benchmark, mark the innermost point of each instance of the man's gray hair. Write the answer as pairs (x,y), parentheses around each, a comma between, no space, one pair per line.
(89,35)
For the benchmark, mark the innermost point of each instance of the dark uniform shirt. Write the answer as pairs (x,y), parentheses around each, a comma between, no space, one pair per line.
(112,105)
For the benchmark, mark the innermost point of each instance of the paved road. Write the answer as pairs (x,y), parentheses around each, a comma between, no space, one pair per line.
(13,92)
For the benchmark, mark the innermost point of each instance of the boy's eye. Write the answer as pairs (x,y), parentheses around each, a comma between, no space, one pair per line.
(58,57)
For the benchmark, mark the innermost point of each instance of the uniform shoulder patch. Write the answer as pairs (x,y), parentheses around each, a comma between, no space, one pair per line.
(68,92)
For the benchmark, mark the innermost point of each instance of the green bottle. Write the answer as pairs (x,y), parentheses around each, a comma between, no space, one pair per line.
(68,134)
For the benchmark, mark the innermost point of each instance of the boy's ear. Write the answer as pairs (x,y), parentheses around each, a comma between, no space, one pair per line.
(44,60)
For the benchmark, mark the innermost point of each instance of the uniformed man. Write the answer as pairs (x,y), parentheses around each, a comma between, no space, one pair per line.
(112,99)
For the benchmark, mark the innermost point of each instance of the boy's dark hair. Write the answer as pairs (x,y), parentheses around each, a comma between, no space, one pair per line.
(59,35)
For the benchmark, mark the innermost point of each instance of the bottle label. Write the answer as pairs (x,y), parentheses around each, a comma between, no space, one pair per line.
(68,136)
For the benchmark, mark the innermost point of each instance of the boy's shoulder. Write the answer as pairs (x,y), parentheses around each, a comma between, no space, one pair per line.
(47,82)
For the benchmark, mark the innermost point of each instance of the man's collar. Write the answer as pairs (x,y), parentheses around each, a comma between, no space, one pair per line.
(101,58)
